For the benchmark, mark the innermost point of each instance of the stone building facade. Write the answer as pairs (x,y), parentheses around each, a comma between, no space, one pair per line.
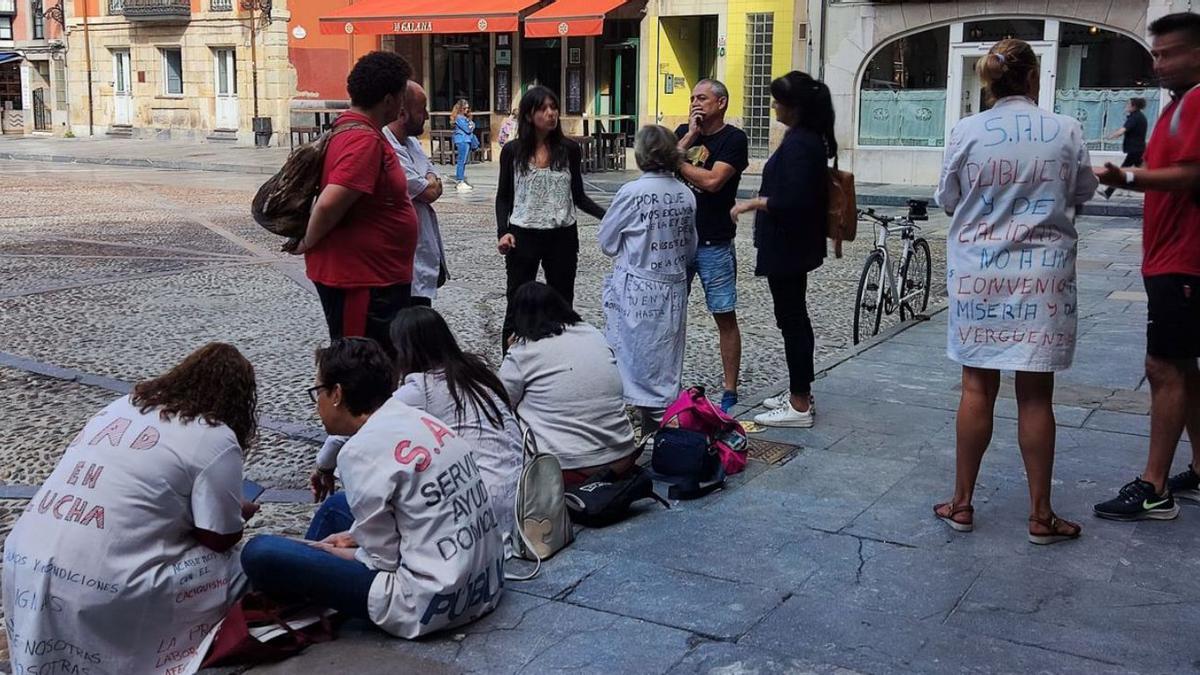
(902,73)
(178,69)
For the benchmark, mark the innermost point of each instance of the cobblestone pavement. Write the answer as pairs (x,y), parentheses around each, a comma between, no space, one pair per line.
(120,272)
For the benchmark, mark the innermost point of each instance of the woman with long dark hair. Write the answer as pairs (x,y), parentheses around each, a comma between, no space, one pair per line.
(414,527)
(789,231)
(563,381)
(461,388)
(126,545)
(541,185)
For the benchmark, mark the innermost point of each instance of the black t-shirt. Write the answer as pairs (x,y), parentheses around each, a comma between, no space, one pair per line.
(728,145)
(1135,133)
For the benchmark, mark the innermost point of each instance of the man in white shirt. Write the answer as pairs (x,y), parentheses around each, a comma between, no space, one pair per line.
(424,187)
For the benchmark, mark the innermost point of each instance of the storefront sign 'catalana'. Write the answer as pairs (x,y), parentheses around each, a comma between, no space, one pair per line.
(434,25)
(413,27)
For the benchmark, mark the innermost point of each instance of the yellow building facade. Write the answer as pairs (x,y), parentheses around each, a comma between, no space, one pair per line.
(743,43)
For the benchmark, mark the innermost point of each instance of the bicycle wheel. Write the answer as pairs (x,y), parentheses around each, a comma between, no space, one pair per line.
(868,303)
(915,279)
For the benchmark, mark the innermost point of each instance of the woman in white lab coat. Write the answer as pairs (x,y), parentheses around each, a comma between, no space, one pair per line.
(650,233)
(1012,180)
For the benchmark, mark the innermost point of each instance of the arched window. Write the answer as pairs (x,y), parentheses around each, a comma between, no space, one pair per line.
(903,92)
(1098,73)
(906,86)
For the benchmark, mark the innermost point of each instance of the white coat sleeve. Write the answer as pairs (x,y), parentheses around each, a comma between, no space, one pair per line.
(368,493)
(1085,178)
(613,224)
(512,379)
(949,191)
(327,456)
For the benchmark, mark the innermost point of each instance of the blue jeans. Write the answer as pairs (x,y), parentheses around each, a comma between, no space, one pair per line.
(289,570)
(464,151)
(333,517)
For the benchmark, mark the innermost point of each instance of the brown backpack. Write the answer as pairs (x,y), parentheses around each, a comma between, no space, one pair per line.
(284,203)
(843,208)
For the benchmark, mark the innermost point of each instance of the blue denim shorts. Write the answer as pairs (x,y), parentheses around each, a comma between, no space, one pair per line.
(717,266)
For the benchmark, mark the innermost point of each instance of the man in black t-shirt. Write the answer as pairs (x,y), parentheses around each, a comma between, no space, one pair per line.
(1132,135)
(714,156)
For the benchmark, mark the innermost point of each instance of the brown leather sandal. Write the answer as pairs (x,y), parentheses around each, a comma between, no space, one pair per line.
(951,511)
(1059,530)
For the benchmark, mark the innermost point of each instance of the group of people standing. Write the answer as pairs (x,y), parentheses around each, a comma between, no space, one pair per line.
(127,555)
(1011,272)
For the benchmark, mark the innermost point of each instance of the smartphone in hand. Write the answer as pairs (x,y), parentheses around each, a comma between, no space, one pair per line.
(251,491)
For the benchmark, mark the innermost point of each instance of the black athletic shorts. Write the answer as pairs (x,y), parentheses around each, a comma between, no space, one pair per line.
(1173,317)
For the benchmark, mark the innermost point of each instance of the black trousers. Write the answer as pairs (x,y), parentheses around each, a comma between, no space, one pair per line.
(555,251)
(1131,159)
(363,312)
(789,292)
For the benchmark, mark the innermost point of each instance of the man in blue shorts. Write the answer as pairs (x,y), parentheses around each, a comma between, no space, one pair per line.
(714,156)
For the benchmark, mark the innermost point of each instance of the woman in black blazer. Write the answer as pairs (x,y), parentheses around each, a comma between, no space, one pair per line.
(791,219)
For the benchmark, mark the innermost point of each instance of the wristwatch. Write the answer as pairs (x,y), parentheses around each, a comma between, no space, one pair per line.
(1129,177)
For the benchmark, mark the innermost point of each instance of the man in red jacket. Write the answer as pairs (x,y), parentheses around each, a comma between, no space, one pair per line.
(1171,270)
(358,249)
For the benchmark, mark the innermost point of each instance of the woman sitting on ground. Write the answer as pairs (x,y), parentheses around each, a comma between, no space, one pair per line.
(562,378)
(124,553)
(441,379)
(418,549)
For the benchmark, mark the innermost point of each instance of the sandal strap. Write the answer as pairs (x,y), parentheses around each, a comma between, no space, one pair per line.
(1053,522)
(955,509)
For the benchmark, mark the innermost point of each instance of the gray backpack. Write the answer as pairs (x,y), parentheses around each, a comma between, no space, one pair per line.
(543,526)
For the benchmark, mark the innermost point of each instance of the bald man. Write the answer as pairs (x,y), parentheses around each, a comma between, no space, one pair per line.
(424,187)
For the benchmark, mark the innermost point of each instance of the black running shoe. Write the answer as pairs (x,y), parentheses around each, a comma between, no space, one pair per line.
(1185,484)
(1138,501)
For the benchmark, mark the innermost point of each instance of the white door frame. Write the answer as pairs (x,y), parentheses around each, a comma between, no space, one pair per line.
(964,53)
(122,95)
(225,92)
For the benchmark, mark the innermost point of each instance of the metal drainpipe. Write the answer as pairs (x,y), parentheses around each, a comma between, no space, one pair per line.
(821,44)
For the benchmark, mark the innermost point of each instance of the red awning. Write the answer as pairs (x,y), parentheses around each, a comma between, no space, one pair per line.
(385,17)
(570,17)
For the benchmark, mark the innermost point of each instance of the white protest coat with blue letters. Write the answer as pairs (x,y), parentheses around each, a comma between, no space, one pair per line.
(650,232)
(1012,179)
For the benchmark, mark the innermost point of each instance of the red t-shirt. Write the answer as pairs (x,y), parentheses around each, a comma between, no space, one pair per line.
(1171,230)
(373,245)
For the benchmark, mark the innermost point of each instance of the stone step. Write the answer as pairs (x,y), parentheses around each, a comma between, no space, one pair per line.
(120,131)
(221,136)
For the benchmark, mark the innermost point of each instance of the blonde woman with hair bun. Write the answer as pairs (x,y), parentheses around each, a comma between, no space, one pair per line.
(1012,180)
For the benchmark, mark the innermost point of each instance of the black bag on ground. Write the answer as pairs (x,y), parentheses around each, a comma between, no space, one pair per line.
(283,204)
(604,499)
(688,461)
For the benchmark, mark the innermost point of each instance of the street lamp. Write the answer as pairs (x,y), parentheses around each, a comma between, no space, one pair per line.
(261,125)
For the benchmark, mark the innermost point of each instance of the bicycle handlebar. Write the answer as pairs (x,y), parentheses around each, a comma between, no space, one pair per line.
(887,221)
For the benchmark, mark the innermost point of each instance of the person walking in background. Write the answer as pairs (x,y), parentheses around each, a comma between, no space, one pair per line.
(464,142)
(563,381)
(792,211)
(424,188)
(1011,273)
(541,185)
(1132,135)
(650,232)
(1171,273)
(714,156)
(358,248)
(390,549)
(128,544)
(508,128)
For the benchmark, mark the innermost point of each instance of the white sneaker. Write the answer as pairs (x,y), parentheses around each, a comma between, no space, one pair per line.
(777,402)
(464,186)
(786,416)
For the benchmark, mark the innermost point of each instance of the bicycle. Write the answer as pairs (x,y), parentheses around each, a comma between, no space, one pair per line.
(878,291)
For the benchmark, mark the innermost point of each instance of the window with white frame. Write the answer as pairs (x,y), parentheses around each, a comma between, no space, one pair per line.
(172,71)
(6,32)
(760,33)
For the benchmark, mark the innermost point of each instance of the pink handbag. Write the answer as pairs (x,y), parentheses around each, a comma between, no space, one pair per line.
(694,412)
